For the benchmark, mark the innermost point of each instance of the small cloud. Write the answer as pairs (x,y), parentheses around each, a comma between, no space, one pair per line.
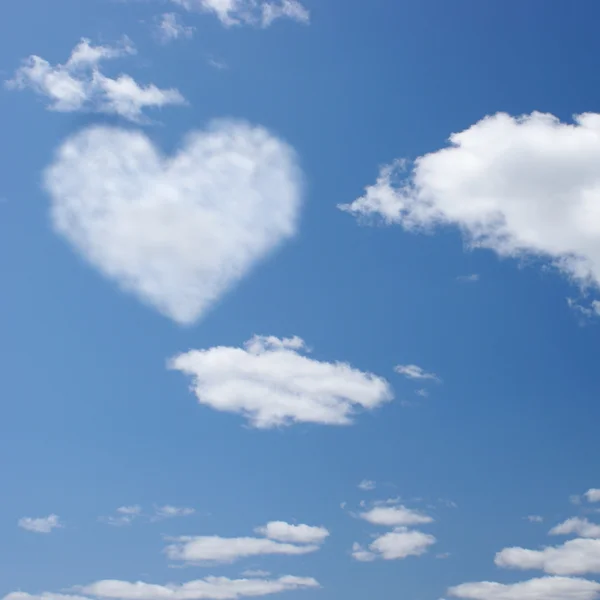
(395,545)
(170,512)
(592,495)
(415,372)
(535,518)
(170,28)
(125,516)
(443,555)
(40,525)
(473,278)
(590,311)
(281,531)
(217,63)
(366,485)
(422,392)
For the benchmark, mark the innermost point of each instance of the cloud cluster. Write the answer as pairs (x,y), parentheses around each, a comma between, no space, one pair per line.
(41,524)
(562,564)
(258,13)
(399,543)
(279,538)
(125,515)
(209,588)
(177,232)
(79,85)
(520,186)
(272,384)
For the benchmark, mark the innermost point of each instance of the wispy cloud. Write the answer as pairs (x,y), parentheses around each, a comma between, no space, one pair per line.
(125,515)
(79,85)
(170,27)
(367,485)
(415,372)
(258,13)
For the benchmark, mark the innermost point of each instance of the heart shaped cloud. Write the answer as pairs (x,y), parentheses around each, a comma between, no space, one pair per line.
(178,232)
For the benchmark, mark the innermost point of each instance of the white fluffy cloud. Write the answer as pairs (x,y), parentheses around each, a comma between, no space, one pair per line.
(260,13)
(78,85)
(296,534)
(209,588)
(519,186)
(40,525)
(393,516)
(415,372)
(544,588)
(216,549)
(395,545)
(592,495)
(170,28)
(177,232)
(272,384)
(578,526)
(574,557)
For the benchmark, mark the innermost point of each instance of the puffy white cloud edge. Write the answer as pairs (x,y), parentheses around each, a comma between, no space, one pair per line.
(520,186)
(272,383)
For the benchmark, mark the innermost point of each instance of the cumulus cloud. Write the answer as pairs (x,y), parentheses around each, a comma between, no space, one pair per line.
(415,372)
(40,525)
(520,186)
(179,231)
(259,13)
(392,516)
(395,545)
(366,485)
(579,526)
(209,588)
(169,28)
(297,534)
(575,557)
(272,384)
(216,549)
(592,495)
(544,588)
(79,85)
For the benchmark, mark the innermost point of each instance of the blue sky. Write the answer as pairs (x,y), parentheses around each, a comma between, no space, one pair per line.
(196,347)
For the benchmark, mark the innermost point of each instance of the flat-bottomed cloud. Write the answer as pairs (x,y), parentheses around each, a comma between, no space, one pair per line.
(272,384)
